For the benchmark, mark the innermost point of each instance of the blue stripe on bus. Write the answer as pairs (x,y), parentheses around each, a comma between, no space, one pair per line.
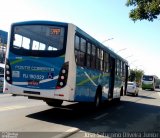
(87,81)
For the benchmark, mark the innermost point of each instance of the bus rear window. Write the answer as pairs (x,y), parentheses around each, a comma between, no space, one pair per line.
(147,78)
(30,39)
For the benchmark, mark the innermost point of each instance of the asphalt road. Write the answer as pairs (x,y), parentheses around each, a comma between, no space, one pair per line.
(132,117)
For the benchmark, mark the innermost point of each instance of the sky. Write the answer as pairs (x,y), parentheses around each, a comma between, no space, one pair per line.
(107,21)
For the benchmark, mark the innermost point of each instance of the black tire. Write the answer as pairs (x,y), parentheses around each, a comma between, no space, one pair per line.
(98,98)
(121,92)
(55,103)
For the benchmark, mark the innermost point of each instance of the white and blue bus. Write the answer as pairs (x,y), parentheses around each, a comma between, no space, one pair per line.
(56,62)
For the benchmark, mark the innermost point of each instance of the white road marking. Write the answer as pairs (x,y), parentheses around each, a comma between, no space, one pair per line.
(105,114)
(5,95)
(11,108)
(67,133)
(100,116)
(120,107)
(71,130)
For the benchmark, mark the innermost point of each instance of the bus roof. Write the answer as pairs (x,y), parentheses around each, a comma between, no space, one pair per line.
(41,22)
(83,33)
(151,76)
(100,45)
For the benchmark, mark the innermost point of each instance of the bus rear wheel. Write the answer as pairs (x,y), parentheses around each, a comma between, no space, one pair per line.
(98,98)
(55,103)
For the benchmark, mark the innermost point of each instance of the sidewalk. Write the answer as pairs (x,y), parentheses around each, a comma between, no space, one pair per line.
(4,94)
(158,91)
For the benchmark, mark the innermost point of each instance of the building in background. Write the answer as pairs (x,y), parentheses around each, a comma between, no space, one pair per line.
(3,37)
(3,44)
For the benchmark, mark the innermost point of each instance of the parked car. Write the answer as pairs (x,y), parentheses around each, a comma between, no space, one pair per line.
(132,88)
(1,82)
(2,68)
(1,76)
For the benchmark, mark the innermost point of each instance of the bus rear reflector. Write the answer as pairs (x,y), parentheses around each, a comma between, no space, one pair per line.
(63,76)
(8,72)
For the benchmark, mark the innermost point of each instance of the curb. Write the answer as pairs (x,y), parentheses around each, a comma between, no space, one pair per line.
(5,94)
(67,133)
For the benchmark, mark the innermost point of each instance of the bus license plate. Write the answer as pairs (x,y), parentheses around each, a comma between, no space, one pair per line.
(33,82)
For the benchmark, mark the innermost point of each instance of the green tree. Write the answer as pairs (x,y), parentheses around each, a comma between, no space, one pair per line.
(139,74)
(144,9)
(132,75)
(136,75)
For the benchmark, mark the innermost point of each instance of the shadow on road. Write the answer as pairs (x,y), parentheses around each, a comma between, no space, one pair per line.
(146,97)
(141,96)
(120,116)
(70,115)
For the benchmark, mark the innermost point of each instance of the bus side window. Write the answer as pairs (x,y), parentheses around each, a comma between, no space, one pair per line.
(101,60)
(76,45)
(81,58)
(123,69)
(83,45)
(117,67)
(106,62)
(121,72)
(93,57)
(77,42)
(82,52)
(98,60)
(88,55)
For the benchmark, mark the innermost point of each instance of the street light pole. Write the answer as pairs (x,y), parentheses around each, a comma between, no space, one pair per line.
(107,40)
(121,50)
(129,56)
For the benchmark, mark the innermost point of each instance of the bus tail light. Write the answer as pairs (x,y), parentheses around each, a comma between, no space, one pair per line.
(63,75)
(8,73)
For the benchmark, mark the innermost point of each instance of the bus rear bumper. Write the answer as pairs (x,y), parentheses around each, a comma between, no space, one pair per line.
(65,93)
